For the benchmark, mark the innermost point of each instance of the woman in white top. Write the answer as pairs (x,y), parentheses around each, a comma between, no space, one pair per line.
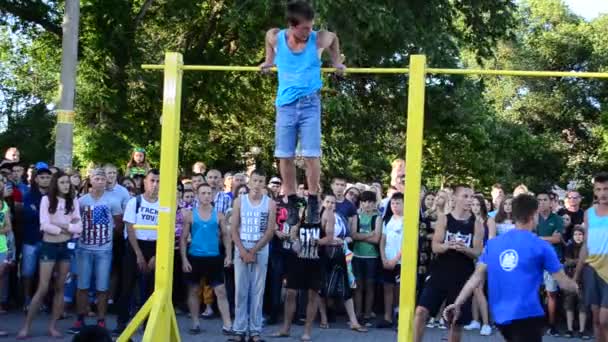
(503,221)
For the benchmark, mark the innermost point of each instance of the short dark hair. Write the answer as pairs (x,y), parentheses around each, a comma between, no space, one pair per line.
(203,184)
(259,172)
(336,178)
(601,177)
(543,192)
(368,196)
(524,207)
(154,172)
(188,190)
(458,187)
(299,10)
(198,175)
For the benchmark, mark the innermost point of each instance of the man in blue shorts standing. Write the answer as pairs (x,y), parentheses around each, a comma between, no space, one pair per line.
(514,263)
(296,52)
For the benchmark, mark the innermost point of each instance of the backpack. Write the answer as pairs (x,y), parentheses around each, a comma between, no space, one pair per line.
(137,204)
(373,223)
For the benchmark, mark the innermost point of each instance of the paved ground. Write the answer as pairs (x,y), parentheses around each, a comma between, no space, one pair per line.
(338,332)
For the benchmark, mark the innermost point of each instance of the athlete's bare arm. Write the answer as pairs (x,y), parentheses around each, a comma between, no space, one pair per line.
(270,43)
(329,41)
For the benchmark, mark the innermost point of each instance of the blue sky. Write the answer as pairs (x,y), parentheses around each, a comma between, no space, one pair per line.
(589,9)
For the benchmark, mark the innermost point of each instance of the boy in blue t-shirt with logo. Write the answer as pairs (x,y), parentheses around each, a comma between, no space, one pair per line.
(514,263)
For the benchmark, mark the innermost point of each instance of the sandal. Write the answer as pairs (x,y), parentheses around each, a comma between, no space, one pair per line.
(280,334)
(323,326)
(359,328)
(195,331)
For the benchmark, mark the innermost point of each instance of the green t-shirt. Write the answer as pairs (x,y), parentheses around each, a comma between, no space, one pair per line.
(365,249)
(546,228)
(3,212)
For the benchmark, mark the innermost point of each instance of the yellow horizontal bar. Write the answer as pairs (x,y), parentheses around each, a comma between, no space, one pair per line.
(402,71)
(257,69)
(518,73)
(145,227)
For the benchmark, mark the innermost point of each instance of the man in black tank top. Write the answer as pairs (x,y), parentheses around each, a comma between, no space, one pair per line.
(304,273)
(457,241)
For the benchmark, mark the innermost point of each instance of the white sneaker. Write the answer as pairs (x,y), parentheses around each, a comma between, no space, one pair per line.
(474,325)
(431,323)
(486,330)
(442,325)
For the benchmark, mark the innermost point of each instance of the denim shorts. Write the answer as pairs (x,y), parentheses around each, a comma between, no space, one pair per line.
(299,119)
(29,259)
(90,261)
(55,252)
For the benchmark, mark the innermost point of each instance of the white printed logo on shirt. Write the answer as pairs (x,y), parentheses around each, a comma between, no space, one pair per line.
(508,260)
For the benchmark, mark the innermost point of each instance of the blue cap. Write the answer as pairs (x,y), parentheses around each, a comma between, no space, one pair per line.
(42,165)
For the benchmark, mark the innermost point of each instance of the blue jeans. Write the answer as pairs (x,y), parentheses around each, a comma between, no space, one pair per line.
(250,281)
(90,261)
(301,118)
(29,261)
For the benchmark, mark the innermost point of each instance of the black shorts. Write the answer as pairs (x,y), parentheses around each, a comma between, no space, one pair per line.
(523,330)
(437,291)
(118,251)
(55,251)
(595,289)
(211,268)
(304,274)
(391,276)
(365,268)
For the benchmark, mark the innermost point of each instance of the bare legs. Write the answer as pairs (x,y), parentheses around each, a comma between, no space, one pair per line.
(287,167)
(45,273)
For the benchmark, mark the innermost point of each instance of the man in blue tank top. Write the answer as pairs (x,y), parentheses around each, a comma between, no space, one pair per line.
(296,52)
(514,263)
(593,259)
(202,259)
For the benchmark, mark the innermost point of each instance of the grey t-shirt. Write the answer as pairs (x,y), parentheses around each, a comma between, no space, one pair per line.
(98,221)
(121,194)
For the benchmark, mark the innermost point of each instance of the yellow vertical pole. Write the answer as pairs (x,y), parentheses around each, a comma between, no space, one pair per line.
(413,168)
(160,323)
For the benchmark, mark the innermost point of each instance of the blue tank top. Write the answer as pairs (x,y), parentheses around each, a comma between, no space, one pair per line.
(299,72)
(205,236)
(597,242)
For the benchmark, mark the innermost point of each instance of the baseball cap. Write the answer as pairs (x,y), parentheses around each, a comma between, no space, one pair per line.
(276,180)
(41,165)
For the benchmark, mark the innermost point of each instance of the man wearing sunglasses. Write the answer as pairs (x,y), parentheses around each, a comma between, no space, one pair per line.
(296,51)
(573,209)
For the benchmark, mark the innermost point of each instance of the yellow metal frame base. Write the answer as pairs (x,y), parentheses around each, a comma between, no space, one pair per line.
(162,325)
(158,310)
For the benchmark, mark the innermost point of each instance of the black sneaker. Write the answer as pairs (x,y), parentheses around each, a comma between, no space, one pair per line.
(585,336)
(227,332)
(312,210)
(384,324)
(75,329)
(293,214)
(569,334)
(553,332)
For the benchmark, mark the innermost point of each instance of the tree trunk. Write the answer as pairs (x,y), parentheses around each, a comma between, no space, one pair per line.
(64,139)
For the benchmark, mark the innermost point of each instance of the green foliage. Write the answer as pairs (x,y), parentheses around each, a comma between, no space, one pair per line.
(477,130)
